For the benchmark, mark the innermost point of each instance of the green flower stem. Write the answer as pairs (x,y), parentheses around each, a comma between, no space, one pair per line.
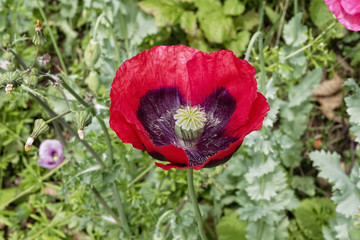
(52,37)
(71,130)
(251,44)
(120,209)
(261,14)
(262,66)
(32,187)
(97,25)
(105,205)
(195,203)
(58,116)
(37,53)
(54,223)
(262,59)
(142,174)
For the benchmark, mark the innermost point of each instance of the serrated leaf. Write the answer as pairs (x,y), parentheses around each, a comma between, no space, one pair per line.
(345,193)
(312,214)
(231,228)
(289,34)
(304,184)
(260,230)
(302,91)
(267,186)
(353,102)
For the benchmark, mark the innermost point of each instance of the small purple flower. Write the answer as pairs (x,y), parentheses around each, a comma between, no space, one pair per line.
(50,153)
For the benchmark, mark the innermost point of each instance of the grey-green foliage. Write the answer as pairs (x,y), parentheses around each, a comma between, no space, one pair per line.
(346,191)
(353,107)
(260,182)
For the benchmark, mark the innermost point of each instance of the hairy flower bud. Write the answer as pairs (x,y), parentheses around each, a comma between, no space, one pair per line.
(40,127)
(8,56)
(39,39)
(92,53)
(33,78)
(12,80)
(93,81)
(82,120)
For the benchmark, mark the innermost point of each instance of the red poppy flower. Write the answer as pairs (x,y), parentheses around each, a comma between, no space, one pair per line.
(184,106)
(347,12)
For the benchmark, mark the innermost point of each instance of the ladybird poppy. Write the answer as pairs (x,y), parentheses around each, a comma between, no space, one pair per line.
(187,107)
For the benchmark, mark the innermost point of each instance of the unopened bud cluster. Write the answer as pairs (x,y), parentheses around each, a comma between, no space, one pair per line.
(10,80)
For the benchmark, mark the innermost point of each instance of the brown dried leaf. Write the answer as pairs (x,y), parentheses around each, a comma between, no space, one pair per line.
(328,87)
(50,191)
(329,104)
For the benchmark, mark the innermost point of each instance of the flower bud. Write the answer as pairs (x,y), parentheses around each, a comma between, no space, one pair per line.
(92,53)
(33,78)
(8,56)
(82,120)
(39,39)
(40,127)
(6,41)
(93,81)
(12,79)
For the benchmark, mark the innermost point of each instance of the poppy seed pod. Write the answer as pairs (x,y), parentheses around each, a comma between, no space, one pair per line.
(186,107)
(92,53)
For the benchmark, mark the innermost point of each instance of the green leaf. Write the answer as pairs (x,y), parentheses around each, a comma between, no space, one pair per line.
(247,21)
(289,34)
(302,91)
(353,102)
(68,8)
(312,214)
(233,7)
(231,228)
(188,22)
(239,44)
(304,184)
(166,12)
(320,13)
(271,14)
(345,192)
(217,27)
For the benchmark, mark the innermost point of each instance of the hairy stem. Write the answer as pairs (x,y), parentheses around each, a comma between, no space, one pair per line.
(105,205)
(120,209)
(195,203)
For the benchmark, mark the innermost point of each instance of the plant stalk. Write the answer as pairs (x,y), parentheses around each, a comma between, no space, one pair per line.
(195,203)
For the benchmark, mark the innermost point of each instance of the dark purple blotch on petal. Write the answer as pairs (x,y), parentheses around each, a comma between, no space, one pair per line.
(156,113)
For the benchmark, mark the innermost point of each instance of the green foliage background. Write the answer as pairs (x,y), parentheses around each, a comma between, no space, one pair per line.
(278,185)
